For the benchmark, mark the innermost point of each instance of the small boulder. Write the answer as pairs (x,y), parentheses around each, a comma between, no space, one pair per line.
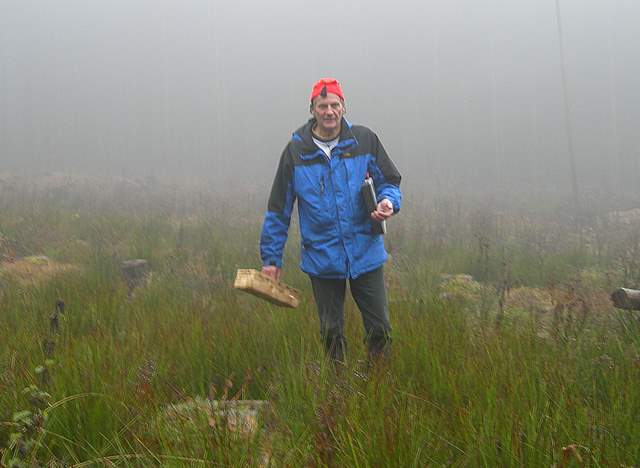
(460,288)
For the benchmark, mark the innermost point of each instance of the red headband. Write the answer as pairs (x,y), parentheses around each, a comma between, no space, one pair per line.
(325,86)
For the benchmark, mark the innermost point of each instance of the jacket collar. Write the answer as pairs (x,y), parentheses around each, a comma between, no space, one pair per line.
(309,150)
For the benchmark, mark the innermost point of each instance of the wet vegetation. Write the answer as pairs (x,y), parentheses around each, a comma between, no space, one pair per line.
(507,351)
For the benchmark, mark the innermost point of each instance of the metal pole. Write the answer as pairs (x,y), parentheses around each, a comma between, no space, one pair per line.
(567,114)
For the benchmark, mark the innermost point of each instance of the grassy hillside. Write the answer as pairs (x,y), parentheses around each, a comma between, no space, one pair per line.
(526,364)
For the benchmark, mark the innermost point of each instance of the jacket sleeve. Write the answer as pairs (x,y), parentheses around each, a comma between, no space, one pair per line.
(386,177)
(275,227)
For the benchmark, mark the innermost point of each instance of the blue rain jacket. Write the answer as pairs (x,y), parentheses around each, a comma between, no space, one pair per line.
(335,227)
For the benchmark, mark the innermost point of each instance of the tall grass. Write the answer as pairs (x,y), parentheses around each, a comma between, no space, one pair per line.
(458,389)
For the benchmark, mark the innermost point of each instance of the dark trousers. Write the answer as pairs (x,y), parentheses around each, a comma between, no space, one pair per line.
(369,294)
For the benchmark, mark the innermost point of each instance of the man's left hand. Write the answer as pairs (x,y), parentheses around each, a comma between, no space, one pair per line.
(383,211)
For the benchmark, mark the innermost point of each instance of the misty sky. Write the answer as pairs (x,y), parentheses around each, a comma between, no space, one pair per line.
(464,94)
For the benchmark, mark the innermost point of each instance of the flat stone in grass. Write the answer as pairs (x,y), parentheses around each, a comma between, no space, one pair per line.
(239,421)
(533,300)
(624,217)
(34,269)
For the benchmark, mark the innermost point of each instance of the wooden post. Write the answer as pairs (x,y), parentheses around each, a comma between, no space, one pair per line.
(134,272)
(628,299)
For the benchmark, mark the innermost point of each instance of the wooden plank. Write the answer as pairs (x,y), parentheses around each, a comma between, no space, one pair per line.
(265,287)
(624,298)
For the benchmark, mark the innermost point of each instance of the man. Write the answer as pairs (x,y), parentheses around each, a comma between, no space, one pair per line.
(323,167)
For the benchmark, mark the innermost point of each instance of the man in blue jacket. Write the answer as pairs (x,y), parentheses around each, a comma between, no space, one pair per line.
(323,167)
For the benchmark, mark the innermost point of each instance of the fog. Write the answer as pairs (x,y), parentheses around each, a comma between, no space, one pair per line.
(465,95)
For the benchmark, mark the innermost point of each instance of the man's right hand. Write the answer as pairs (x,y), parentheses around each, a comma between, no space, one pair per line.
(383,211)
(272,271)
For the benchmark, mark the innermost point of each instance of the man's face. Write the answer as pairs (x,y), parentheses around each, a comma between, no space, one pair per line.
(328,112)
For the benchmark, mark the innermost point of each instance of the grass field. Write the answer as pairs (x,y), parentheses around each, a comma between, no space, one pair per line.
(526,364)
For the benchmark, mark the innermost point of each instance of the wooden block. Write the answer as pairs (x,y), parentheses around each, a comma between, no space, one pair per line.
(265,287)
(628,299)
